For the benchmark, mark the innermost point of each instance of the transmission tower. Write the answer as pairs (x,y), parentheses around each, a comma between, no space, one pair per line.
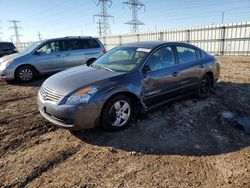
(104,28)
(16,30)
(135,6)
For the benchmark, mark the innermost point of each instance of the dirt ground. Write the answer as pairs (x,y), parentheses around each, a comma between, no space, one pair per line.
(182,144)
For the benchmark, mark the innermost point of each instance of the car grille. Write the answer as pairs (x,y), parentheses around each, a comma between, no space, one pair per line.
(49,95)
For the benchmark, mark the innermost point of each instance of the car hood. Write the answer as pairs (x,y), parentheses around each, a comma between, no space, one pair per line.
(70,80)
(10,57)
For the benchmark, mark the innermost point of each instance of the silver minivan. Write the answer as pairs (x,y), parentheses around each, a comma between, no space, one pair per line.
(50,56)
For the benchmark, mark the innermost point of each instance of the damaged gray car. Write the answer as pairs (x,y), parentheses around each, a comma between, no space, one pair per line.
(129,78)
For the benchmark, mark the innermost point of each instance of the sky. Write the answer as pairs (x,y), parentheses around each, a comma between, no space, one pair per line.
(58,18)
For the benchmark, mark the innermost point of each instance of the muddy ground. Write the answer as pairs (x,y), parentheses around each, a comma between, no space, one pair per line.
(182,144)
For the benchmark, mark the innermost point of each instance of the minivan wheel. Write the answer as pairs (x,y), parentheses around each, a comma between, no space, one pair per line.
(117,113)
(205,86)
(25,73)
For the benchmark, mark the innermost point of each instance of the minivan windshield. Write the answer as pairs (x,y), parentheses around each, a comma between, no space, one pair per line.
(31,47)
(121,59)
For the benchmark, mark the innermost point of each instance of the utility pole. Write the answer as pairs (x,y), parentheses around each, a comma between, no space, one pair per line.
(104,17)
(99,27)
(16,30)
(0,34)
(222,17)
(39,36)
(135,6)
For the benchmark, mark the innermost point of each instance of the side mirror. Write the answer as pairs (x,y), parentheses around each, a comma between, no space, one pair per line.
(146,69)
(38,52)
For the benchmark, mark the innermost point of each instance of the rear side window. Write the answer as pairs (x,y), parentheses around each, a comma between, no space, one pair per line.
(186,55)
(73,44)
(90,43)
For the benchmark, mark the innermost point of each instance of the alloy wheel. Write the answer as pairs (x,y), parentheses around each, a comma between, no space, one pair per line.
(120,113)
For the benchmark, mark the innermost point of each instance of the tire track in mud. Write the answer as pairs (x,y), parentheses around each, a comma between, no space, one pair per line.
(59,158)
(16,143)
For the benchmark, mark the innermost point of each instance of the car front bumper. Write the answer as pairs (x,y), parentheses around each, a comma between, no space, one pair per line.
(70,116)
(7,74)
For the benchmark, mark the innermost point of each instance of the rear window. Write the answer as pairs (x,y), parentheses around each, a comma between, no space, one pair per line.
(90,43)
(186,55)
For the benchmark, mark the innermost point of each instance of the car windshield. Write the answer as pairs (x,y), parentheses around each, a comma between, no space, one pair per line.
(121,59)
(31,47)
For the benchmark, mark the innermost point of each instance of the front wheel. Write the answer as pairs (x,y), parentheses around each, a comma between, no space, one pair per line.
(25,73)
(117,113)
(205,86)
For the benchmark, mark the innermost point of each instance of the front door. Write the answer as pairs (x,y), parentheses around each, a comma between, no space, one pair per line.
(48,58)
(161,77)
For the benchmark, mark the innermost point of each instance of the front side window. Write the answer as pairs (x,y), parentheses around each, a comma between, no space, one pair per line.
(50,47)
(186,55)
(161,59)
(122,59)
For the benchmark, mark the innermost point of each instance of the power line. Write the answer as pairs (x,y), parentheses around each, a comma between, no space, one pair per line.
(104,16)
(135,6)
(16,29)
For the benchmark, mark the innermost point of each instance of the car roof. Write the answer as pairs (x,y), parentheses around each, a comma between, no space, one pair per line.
(2,42)
(154,44)
(71,37)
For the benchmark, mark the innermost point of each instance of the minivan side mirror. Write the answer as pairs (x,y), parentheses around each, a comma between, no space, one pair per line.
(38,52)
(146,69)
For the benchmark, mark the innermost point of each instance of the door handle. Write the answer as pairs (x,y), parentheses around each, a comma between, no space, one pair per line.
(67,54)
(58,55)
(175,74)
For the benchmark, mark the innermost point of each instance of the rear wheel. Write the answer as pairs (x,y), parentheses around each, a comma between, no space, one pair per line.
(117,113)
(205,86)
(25,73)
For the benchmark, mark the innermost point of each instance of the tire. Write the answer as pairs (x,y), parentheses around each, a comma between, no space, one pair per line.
(25,73)
(117,113)
(205,87)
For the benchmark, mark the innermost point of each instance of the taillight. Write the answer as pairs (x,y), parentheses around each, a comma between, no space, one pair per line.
(104,51)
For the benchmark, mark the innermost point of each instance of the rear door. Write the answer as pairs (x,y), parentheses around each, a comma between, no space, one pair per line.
(92,48)
(47,58)
(188,67)
(161,77)
(73,53)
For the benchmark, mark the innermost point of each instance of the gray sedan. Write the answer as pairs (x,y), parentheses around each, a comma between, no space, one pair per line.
(129,78)
(50,56)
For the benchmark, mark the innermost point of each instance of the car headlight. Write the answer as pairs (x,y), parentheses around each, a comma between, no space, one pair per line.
(6,63)
(82,96)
